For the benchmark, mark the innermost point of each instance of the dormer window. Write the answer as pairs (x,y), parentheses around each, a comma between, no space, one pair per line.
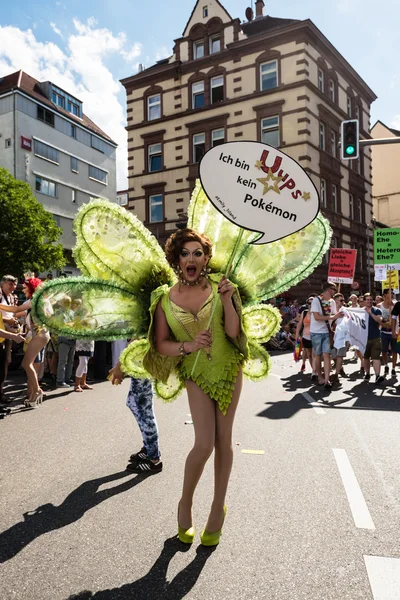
(58,100)
(215,44)
(198,49)
(73,108)
(205,12)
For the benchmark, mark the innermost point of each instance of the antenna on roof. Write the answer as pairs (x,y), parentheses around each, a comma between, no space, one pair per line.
(249,13)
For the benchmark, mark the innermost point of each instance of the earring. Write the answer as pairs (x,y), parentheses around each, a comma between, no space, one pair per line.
(177,269)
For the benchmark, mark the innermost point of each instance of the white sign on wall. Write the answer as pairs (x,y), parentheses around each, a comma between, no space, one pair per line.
(259,188)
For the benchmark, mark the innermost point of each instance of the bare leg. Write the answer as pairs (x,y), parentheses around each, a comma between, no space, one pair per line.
(317,366)
(377,366)
(327,366)
(339,365)
(394,360)
(202,409)
(367,365)
(309,356)
(223,457)
(34,347)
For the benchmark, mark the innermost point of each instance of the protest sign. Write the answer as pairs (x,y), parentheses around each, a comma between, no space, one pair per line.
(259,188)
(380,273)
(391,282)
(387,248)
(342,264)
(352,329)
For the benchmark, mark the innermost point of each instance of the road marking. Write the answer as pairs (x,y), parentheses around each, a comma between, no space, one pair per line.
(253,451)
(358,506)
(277,376)
(310,400)
(384,577)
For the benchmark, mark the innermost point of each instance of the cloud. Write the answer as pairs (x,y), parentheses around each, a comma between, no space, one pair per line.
(162,52)
(79,68)
(396,123)
(55,29)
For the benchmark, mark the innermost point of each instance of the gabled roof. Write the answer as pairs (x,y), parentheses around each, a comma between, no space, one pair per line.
(395,132)
(262,24)
(30,86)
(196,5)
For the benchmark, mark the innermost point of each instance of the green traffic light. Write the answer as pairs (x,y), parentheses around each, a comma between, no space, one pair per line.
(350,150)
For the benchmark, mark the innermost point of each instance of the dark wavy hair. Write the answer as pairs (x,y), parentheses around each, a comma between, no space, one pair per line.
(176,241)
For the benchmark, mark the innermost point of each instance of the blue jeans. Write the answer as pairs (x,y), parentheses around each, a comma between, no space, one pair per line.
(140,402)
(320,343)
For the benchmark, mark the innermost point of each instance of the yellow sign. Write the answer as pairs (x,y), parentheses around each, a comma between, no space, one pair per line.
(391,281)
(2,327)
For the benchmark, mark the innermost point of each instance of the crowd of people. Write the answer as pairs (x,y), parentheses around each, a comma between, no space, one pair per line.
(313,324)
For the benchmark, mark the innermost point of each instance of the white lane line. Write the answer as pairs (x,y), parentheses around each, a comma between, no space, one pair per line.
(310,400)
(358,506)
(277,376)
(384,577)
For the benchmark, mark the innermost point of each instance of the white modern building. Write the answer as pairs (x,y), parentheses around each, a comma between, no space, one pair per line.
(47,141)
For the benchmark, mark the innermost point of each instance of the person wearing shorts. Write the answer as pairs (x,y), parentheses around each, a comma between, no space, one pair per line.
(323,311)
(373,349)
(388,343)
(338,354)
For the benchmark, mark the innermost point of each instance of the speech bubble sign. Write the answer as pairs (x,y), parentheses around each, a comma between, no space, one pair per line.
(259,188)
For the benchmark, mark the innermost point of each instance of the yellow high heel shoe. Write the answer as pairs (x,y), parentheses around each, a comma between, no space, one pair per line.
(186,535)
(208,538)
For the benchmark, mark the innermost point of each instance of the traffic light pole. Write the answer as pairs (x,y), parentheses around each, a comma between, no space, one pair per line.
(379,141)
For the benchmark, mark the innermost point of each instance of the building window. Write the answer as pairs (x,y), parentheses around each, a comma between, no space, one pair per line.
(333,143)
(349,107)
(217,89)
(205,12)
(74,164)
(332,90)
(215,44)
(44,186)
(155,157)
(217,137)
(73,131)
(360,210)
(357,112)
(73,108)
(73,196)
(323,193)
(198,94)
(351,207)
(156,208)
(97,174)
(198,49)
(322,136)
(199,146)
(321,81)
(154,107)
(45,151)
(58,100)
(360,258)
(98,144)
(270,131)
(269,75)
(334,198)
(45,115)
(8,143)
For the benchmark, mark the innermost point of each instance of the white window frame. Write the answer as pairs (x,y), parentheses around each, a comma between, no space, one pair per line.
(349,106)
(198,92)
(323,192)
(359,210)
(196,45)
(42,155)
(217,137)
(152,152)
(321,80)
(322,135)
(332,90)
(272,127)
(213,86)
(94,178)
(45,186)
(152,105)
(157,203)
(333,143)
(205,12)
(351,207)
(77,164)
(264,64)
(73,192)
(197,135)
(334,194)
(71,106)
(8,143)
(212,39)
(59,98)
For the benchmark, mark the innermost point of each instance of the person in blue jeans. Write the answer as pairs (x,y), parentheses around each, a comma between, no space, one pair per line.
(323,311)
(140,401)
(66,353)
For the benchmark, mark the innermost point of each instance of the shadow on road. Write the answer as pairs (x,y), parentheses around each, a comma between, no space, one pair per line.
(49,517)
(154,584)
(284,409)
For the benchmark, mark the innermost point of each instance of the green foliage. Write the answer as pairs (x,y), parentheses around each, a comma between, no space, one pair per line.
(28,233)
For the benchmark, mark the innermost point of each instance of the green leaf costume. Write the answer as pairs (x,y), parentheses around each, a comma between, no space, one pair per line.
(126,275)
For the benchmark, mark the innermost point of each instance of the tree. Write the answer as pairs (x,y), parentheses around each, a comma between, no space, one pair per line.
(28,233)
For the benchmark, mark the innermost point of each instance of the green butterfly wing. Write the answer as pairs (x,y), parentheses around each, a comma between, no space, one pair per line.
(258,363)
(85,308)
(261,322)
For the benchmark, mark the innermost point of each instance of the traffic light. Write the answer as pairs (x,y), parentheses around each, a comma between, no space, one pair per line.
(349,146)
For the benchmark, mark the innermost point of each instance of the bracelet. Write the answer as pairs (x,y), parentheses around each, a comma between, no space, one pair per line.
(182,350)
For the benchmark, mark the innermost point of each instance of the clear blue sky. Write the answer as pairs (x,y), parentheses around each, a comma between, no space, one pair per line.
(88,46)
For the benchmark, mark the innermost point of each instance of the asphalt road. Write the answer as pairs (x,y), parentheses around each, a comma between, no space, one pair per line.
(316,517)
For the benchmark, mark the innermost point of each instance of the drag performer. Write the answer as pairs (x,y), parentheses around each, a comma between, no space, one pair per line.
(130,291)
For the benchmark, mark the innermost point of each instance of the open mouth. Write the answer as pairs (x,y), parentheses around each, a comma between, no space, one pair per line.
(191,271)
